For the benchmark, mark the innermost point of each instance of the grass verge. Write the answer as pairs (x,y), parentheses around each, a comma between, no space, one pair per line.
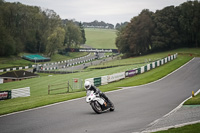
(195,128)
(193,101)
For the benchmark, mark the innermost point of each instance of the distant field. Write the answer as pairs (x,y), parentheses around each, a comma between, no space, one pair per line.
(100,38)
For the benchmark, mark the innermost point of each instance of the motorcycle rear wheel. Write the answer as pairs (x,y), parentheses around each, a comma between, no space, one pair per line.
(112,108)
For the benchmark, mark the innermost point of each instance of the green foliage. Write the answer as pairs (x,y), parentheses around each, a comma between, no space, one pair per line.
(137,35)
(169,28)
(82,33)
(166,34)
(73,35)
(31,29)
(55,41)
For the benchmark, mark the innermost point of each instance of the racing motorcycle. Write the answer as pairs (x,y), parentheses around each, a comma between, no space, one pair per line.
(99,104)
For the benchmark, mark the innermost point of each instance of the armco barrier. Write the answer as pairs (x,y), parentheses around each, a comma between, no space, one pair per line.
(118,76)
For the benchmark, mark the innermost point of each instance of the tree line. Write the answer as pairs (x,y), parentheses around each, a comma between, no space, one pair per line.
(26,28)
(97,24)
(93,24)
(166,29)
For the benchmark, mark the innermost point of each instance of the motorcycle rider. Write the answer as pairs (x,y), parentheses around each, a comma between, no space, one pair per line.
(89,87)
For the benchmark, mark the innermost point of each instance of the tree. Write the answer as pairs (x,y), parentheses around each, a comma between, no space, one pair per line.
(73,36)
(55,41)
(169,28)
(82,33)
(7,44)
(166,31)
(189,23)
(135,38)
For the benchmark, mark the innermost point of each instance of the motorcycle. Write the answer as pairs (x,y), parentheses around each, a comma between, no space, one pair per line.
(99,104)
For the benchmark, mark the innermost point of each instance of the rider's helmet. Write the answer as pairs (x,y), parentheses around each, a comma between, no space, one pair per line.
(87,85)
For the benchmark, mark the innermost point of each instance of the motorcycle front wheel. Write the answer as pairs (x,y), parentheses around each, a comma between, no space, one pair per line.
(96,107)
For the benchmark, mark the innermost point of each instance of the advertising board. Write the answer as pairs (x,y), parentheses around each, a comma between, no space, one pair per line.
(5,95)
(116,76)
(130,73)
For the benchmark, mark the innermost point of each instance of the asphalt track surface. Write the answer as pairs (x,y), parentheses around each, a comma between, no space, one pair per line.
(136,108)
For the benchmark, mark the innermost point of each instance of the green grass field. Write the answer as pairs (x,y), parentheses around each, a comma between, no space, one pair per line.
(100,38)
(17,61)
(39,86)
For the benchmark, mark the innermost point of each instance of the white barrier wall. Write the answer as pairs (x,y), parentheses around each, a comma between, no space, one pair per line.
(115,77)
(158,63)
(169,59)
(104,80)
(21,92)
(91,80)
(166,60)
(1,81)
(153,65)
(162,61)
(148,67)
(142,69)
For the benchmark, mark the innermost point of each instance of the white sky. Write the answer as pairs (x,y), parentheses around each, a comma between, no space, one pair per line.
(109,11)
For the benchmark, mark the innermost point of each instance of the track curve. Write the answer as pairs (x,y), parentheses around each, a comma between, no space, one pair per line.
(136,107)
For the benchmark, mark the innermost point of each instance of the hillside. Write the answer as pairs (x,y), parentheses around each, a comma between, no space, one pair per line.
(100,38)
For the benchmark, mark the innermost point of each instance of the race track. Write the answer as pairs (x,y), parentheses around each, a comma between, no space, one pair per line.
(136,108)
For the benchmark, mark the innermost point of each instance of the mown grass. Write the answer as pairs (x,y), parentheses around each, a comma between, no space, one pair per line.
(17,61)
(39,86)
(13,61)
(71,55)
(195,128)
(100,38)
(194,100)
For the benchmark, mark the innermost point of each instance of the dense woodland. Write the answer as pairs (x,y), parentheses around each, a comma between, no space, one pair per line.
(169,28)
(30,29)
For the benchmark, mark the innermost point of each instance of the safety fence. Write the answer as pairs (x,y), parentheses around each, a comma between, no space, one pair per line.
(74,85)
(62,86)
(14,93)
(69,63)
(130,73)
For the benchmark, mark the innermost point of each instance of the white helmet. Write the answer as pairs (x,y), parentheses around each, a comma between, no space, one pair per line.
(87,85)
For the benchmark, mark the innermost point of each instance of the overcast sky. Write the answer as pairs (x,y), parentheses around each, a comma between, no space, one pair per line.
(109,11)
